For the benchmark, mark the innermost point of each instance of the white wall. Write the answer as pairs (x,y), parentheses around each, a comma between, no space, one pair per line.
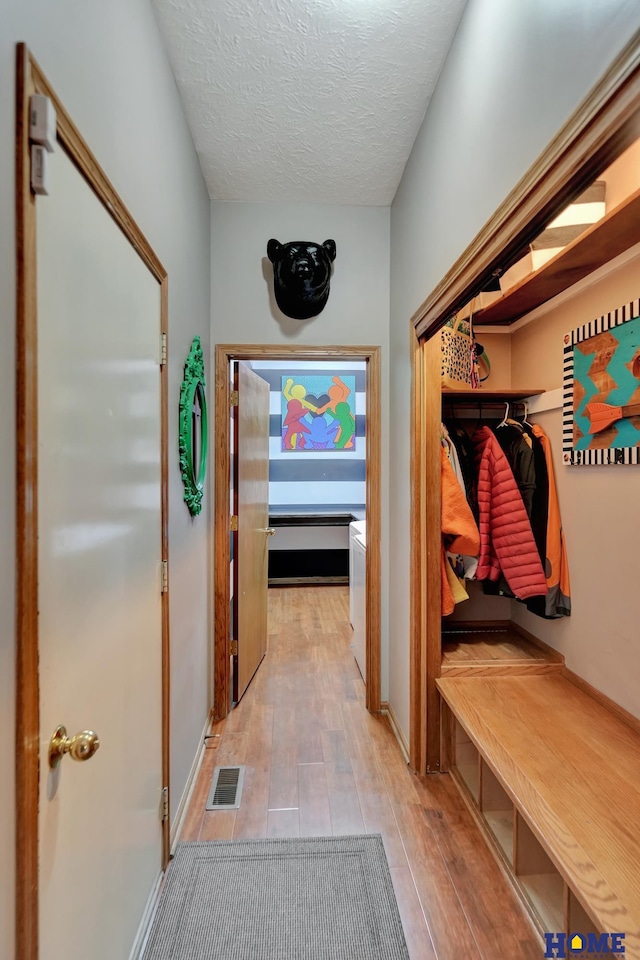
(600,638)
(107,63)
(243,310)
(513,76)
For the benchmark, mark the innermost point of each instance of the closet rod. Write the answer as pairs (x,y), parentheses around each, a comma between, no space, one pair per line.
(480,405)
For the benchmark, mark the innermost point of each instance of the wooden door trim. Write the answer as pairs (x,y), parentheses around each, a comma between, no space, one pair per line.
(605,123)
(166,622)
(418,565)
(85,160)
(426,599)
(224,354)
(27,689)
(30,79)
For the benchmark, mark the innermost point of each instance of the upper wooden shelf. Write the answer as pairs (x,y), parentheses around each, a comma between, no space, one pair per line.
(489,396)
(608,238)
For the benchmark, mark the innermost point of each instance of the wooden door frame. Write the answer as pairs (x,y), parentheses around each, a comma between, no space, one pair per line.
(224,354)
(29,80)
(604,124)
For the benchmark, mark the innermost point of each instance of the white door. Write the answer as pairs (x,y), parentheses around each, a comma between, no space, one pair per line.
(99,503)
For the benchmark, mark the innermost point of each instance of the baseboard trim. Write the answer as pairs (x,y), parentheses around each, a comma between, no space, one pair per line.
(146,920)
(142,935)
(307,581)
(387,710)
(605,701)
(183,806)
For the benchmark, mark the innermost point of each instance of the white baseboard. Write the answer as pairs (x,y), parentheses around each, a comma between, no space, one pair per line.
(150,908)
(140,941)
(387,709)
(183,806)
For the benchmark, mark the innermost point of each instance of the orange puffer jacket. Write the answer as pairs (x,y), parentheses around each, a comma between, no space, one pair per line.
(506,539)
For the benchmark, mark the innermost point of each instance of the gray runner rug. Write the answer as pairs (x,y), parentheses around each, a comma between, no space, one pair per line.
(322,898)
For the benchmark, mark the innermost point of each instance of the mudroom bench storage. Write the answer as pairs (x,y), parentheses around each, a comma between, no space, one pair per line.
(552,776)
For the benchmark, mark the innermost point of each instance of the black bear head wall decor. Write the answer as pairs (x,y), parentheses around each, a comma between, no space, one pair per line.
(301,275)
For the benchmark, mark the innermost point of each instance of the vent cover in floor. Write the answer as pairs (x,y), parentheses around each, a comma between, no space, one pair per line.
(226,788)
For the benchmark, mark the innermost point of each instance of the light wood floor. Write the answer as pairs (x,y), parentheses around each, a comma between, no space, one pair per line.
(318,763)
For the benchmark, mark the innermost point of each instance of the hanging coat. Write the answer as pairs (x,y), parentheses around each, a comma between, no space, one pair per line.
(506,539)
(526,458)
(459,531)
(540,506)
(519,454)
(462,567)
(557,602)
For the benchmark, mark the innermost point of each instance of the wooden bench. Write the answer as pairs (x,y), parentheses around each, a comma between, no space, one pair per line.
(553,778)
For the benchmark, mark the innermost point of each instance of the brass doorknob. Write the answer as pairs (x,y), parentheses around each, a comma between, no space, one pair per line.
(270,531)
(81,747)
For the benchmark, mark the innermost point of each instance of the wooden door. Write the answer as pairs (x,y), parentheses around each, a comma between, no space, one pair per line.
(252,492)
(100,608)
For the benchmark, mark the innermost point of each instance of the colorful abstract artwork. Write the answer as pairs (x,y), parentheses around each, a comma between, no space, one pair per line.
(318,413)
(601,415)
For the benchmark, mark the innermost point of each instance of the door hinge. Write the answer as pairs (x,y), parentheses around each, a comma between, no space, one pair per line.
(164,569)
(164,804)
(233,646)
(234,523)
(234,398)
(163,349)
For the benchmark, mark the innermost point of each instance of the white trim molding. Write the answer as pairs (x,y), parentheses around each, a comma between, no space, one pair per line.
(387,710)
(149,913)
(549,400)
(183,806)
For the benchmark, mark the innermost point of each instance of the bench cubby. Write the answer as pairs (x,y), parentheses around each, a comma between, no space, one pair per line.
(552,776)
(467,760)
(497,810)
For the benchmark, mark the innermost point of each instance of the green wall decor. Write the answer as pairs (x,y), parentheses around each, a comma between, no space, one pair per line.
(193,431)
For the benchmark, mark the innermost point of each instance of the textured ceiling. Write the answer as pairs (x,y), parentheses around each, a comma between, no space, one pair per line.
(306,100)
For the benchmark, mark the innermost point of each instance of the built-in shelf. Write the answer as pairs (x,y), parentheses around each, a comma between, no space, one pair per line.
(545,893)
(603,241)
(538,878)
(500,823)
(578,918)
(497,810)
(467,762)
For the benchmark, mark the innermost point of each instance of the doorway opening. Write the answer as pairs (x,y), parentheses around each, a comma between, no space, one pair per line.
(314,494)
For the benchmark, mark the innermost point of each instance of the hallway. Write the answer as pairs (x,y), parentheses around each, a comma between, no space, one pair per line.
(318,764)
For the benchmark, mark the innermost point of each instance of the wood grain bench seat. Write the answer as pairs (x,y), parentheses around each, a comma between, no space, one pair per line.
(568,769)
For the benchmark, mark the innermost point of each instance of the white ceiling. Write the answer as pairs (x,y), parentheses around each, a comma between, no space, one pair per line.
(306,100)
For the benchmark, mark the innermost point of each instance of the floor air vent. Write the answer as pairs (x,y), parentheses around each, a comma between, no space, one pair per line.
(226,788)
